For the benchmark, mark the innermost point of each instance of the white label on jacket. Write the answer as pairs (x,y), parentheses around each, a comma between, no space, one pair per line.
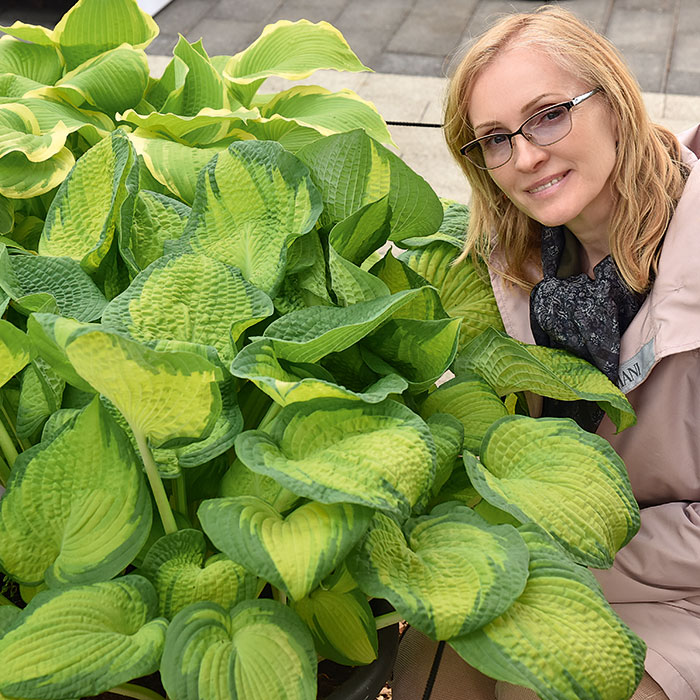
(635,370)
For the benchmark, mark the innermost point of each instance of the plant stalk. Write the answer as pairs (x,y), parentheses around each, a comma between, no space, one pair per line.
(180,493)
(161,498)
(7,446)
(279,595)
(387,620)
(131,690)
(4,472)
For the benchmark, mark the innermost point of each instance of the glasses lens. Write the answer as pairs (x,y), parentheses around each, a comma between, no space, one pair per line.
(548,127)
(490,152)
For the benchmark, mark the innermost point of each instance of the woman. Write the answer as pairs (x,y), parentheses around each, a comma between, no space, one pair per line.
(589,218)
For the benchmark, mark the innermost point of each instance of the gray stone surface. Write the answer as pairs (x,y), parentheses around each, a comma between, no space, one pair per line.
(245,10)
(410,64)
(648,67)
(641,30)
(224,36)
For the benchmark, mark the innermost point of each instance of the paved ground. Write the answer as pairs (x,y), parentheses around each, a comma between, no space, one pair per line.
(410,43)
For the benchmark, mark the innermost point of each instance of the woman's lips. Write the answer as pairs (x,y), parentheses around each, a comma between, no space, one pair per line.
(547,184)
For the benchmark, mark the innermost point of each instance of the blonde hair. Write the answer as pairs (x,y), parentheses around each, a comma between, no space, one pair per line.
(647,177)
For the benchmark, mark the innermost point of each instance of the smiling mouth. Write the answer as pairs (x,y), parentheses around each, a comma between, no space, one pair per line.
(546,185)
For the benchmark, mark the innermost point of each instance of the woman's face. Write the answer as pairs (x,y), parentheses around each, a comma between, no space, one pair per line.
(568,182)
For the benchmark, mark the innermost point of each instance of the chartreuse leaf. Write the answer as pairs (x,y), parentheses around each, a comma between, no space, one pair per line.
(360,234)
(453,230)
(176,566)
(33,33)
(341,621)
(145,227)
(39,397)
(76,509)
(252,201)
(291,50)
(81,220)
(328,112)
(309,334)
(19,132)
(92,27)
(83,640)
(471,400)
(295,552)
(14,351)
(509,366)
(258,650)
(568,481)
(259,363)
(288,133)
(112,82)
(7,215)
(31,280)
(465,294)
(39,63)
(20,178)
(167,300)
(560,637)
(363,171)
(450,573)
(339,451)
(350,283)
(448,436)
(172,164)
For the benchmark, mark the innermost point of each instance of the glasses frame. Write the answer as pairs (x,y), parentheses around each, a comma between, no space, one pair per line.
(568,105)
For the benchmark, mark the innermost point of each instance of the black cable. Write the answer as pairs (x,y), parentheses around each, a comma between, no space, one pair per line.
(434,670)
(430,126)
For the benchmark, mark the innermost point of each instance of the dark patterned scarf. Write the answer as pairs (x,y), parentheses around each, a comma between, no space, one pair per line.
(585,316)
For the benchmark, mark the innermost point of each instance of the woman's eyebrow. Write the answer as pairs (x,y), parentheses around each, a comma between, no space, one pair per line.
(525,109)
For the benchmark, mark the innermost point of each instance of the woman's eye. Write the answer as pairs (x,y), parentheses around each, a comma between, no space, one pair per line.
(495,140)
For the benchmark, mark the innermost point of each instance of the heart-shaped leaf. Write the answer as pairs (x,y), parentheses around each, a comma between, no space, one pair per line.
(84,640)
(334,451)
(570,482)
(509,366)
(14,351)
(76,509)
(560,637)
(294,552)
(176,566)
(452,573)
(39,63)
(258,650)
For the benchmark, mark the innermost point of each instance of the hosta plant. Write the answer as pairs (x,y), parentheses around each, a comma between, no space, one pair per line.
(225,420)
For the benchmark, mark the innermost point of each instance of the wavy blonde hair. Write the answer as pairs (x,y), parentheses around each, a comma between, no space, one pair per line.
(647,177)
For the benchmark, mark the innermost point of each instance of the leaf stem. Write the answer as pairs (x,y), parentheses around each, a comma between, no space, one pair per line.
(161,498)
(279,595)
(131,690)
(180,493)
(271,414)
(387,620)
(10,422)
(4,472)
(7,446)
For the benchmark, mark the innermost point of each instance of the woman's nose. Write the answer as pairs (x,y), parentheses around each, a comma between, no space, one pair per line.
(527,155)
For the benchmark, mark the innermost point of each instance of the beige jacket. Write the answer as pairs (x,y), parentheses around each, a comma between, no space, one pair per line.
(654,584)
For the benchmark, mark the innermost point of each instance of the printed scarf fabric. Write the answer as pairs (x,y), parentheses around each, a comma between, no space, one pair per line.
(585,316)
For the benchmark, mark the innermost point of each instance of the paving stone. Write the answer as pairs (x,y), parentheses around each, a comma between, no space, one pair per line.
(655,102)
(245,10)
(648,67)
(686,52)
(431,32)
(684,82)
(410,64)
(162,45)
(689,16)
(327,11)
(682,107)
(224,36)
(595,13)
(641,30)
(488,12)
(181,15)
(654,5)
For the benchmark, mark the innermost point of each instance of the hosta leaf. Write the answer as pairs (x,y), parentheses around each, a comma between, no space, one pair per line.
(172,164)
(289,134)
(19,131)
(291,50)
(259,363)
(40,396)
(334,451)
(252,201)
(76,509)
(176,566)
(342,625)
(419,351)
(112,82)
(24,277)
(352,169)
(148,220)
(171,80)
(464,293)
(91,27)
(40,63)
(453,230)
(309,334)
(448,436)
(560,638)
(7,215)
(293,553)
(14,351)
(84,640)
(167,300)
(509,366)
(22,179)
(328,112)
(33,33)
(258,650)
(14,86)
(350,283)
(360,234)
(568,481)
(450,574)
(81,220)
(472,401)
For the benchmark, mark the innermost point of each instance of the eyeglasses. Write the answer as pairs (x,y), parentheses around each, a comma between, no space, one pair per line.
(543,128)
